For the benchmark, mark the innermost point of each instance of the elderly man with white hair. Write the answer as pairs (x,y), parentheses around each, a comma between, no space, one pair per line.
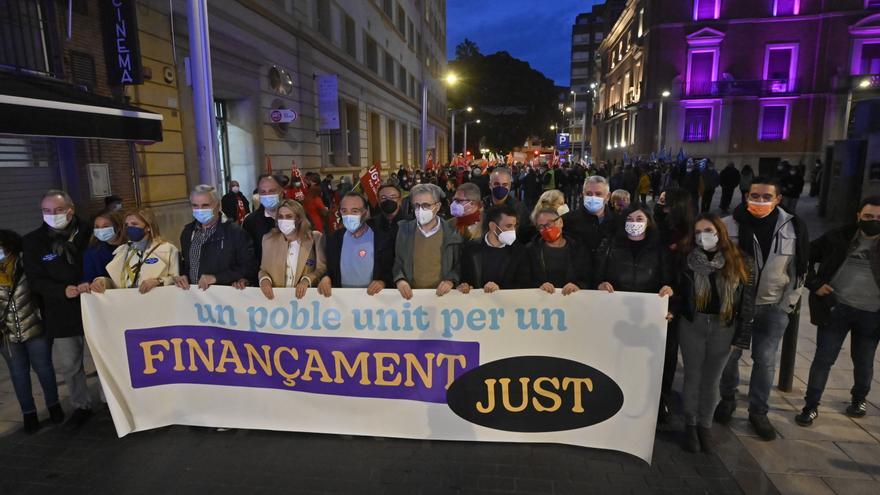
(427,250)
(593,221)
(211,251)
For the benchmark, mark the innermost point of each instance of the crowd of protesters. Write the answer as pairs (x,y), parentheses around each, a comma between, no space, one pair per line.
(732,281)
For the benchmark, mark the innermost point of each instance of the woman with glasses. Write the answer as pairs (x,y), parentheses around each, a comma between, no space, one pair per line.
(556,261)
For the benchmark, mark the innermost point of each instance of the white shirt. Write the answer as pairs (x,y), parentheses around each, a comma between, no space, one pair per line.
(432,231)
(292,257)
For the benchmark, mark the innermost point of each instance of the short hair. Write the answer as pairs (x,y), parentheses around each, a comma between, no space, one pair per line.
(494,213)
(352,194)
(146,215)
(270,177)
(392,186)
(471,191)
(432,189)
(766,181)
(11,242)
(206,189)
(870,200)
(58,192)
(503,170)
(597,179)
(620,194)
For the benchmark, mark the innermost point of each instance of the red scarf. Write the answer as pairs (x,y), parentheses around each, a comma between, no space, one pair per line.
(462,223)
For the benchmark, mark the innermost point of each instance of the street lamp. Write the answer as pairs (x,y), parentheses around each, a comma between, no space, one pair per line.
(864,83)
(452,79)
(464,148)
(453,112)
(665,94)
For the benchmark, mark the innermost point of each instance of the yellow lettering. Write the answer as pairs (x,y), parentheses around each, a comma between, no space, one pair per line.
(289,378)
(505,394)
(229,355)
(490,397)
(557,400)
(450,370)
(426,373)
(149,355)
(359,362)
(207,360)
(263,360)
(382,368)
(315,363)
(178,355)
(578,406)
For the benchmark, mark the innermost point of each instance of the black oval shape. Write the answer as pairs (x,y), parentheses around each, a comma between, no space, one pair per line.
(600,397)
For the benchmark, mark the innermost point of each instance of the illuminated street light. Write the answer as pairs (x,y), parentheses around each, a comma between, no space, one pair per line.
(451,79)
(864,83)
(470,109)
(552,127)
(568,109)
(665,93)
(478,121)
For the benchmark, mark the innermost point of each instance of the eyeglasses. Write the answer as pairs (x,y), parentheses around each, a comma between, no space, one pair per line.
(762,197)
(462,201)
(392,198)
(423,206)
(547,225)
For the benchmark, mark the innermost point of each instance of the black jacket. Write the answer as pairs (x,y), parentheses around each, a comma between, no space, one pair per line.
(585,228)
(49,274)
(516,275)
(229,204)
(257,225)
(617,264)
(579,266)
(525,231)
(830,252)
(730,177)
(228,254)
(383,255)
(743,309)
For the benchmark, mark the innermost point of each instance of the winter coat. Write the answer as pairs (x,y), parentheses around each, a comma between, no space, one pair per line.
(647,271)
(228,254)
(19,309)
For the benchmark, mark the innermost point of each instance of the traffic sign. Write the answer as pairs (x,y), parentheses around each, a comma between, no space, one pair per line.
(563,141)
(282,115)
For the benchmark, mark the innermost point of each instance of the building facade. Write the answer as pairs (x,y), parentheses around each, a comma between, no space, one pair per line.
(270,55)
(749,82)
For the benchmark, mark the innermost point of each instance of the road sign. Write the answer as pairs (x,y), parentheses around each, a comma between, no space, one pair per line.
(563,141)
(282,115)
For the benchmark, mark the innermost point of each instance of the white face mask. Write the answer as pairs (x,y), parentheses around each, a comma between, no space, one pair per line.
(507,237)
(635,229)
(235,189)
(58,221)
(424,216)
(2,255)
(707,240)
(286,226)
(562,210)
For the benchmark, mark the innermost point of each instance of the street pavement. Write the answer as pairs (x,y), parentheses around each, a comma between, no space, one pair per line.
(837,455)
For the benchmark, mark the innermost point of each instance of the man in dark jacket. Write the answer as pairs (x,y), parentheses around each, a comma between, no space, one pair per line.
(358,256)
(710,183)
(391,211)
(844,298)
(53,263)
(234,204)
(213,252)
(495,261)
(593,221)
(729,178)
(500,182)
(262,220)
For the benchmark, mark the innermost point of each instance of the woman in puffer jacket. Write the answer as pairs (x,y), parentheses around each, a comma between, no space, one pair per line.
(24,346)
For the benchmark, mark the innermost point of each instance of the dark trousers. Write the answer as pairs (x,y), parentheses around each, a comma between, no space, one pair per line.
(670,361)
(865,328)
(726,197)
(706,203)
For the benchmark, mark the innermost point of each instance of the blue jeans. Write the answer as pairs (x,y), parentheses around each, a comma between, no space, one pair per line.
(769,327)
(34,353)
(865,329)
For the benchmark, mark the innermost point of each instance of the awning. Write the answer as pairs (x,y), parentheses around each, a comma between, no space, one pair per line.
(37,106)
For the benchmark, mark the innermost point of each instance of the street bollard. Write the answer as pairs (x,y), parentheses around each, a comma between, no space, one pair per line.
(789,349)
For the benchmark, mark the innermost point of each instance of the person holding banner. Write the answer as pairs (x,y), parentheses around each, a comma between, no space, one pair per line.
(555,260)
(467,210)
(427,250)
(23,344)
(262,220)
(357,256)
(211,251)
(106,237)
(717,293)
(495,261)
(293,253)
(145,262)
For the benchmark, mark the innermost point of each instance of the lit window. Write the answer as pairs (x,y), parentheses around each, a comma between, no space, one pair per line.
(702,71)
(774,121)
(872,3)
(786,7)
(707,9)
(697,124)
(780,67)
(866,57)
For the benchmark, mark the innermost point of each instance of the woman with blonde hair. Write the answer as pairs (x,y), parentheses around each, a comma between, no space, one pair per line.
(293,253)
(144,261)
(553,200)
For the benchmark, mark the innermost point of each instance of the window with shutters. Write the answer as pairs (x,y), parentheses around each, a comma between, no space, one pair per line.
(706,9)
(774,122)
(371,53)
(349,41)
(323,15)
(25,41)
(82,69)
(697,124)
(389,68)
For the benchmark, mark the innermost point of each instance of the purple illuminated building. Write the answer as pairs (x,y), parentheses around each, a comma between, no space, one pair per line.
(747,81)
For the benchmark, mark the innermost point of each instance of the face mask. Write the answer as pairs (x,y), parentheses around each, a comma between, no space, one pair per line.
(297,184)
(500,192)
(203,215)
(507,237)
(475,172)
(594,204)
(870,227)
(235,189)
(269,201)
(457,209)
(562,210)
(105,233)
(286,226)
(635,229)
(707,240)
(351,222)
(2,255)
(424,216)
(57,222)
(117,207)
(388,206)
(135,234)
(551,234)
(760,209)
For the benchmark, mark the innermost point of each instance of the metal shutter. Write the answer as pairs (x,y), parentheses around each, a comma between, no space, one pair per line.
(28,168)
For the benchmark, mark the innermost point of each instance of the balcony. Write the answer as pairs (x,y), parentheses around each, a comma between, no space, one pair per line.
(768,87)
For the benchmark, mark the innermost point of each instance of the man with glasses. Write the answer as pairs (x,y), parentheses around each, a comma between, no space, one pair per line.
(467,211)
(427,250)
(778,244)
(500,184)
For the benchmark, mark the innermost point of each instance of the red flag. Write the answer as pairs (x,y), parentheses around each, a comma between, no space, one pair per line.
(371,181)
(429,164)
(268,164)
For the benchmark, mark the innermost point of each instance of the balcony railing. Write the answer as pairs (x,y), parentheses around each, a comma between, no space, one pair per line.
(766,87)
(26,43)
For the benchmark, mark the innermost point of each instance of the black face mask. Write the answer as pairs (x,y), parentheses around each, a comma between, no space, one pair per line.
(870,227)
(388,206)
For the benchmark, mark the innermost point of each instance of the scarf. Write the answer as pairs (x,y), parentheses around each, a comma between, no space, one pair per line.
(7,270)
(62,241)
(463,224)
(703,267)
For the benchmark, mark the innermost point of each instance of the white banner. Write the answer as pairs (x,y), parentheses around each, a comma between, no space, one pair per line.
(513,366)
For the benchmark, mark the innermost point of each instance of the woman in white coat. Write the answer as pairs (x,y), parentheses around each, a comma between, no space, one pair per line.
(145,261)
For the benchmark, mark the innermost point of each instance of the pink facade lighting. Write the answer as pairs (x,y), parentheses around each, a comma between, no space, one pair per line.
(707,9)
(764,134)
(786,7)
(714,107)
(865,32)
(792,66)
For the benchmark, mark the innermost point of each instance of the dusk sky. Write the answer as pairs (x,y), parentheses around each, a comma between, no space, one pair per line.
(538,32)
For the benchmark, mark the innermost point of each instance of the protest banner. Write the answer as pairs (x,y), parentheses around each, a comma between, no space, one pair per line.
(513,366)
